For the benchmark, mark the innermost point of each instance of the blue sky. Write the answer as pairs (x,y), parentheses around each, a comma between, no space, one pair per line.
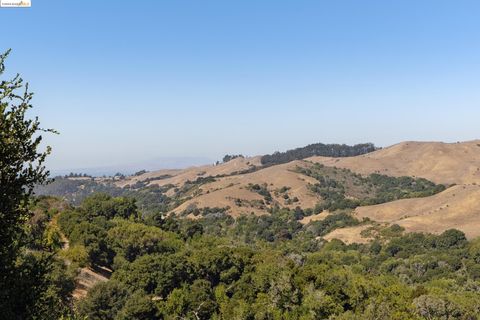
(130,82)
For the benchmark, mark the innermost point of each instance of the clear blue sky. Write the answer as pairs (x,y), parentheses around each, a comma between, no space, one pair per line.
(127,82)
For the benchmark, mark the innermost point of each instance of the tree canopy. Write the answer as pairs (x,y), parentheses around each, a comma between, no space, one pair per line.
(27,288)
(317,149)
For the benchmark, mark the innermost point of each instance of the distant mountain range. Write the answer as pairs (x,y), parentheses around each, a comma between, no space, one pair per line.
(128,169)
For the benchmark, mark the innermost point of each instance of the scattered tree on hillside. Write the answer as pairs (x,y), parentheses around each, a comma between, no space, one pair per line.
(229,157)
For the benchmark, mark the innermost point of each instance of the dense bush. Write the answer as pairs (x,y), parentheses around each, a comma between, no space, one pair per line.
(229,157)
(261,267)
(104,205)
(332,222)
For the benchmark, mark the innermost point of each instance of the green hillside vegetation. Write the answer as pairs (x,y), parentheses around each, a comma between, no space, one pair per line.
(150,198)
(337,188)
(268,267)
(317,149)
(343,189)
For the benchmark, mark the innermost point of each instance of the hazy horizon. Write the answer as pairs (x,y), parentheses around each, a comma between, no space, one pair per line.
(128,84)
(171,163)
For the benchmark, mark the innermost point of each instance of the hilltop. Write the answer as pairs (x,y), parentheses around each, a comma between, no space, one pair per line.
(447,163)
(402,184)
(242,220)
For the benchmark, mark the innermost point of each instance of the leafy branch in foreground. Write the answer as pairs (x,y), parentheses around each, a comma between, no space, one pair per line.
(21,168)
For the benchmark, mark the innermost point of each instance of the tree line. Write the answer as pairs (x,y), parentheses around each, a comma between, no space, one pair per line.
(318,149)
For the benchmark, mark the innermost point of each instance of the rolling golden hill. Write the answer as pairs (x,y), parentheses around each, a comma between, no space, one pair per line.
(447,163)
(233,186)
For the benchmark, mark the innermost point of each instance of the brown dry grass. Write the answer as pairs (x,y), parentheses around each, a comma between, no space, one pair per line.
(349,234)
(447,163)
(440,162)
(85,280)
(457,207)
(315,217)
(180,176)
(226,190)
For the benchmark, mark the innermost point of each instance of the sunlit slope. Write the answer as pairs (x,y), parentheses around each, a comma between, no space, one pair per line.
(240,186)
(439,162)
(236,191)
(457,207)
(449,163)
(180,176)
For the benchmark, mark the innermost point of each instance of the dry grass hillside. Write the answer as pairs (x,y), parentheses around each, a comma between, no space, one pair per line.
(457,207)
(449,163)
(232,186)
(446,163)
(242,183)
(178,177)
(236,192)
(349,235)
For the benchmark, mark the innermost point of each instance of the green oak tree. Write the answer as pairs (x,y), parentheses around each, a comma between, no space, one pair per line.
(26,284)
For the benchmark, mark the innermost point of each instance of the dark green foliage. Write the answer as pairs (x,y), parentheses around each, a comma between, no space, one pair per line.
(229,157)
(76,190)
(104,301)
(279,225)
(155,274)
(130,240)
(343,189)
(451,239)
(192,229)
(103,205)
(42,289)
(29,285)
(267,267)
(392,188)
(68,220)
(317,149)
(148,198)
(332,222)
(201,180)
(333,200)
(138,306)
(205,211)
(90,227)
(194,302)
(92,235)
(261,190)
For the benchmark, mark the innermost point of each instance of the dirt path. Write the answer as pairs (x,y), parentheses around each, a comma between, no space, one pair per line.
(87,277)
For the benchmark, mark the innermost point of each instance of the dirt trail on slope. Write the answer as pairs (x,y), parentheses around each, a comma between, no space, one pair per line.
(86,277)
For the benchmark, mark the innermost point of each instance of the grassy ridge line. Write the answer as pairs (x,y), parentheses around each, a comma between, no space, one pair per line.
(317,149)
